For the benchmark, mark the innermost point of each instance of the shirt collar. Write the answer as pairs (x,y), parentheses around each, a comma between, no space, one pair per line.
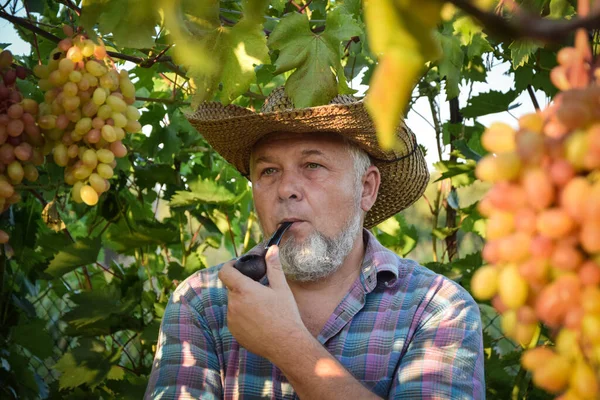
(380,265)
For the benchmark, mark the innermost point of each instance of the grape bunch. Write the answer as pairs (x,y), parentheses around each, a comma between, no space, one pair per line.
(543,229)
(86,114)
(21,140)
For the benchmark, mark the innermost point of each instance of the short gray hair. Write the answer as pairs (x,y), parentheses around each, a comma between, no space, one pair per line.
(361,161)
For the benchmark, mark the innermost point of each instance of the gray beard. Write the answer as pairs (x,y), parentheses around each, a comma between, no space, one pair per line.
(318,256)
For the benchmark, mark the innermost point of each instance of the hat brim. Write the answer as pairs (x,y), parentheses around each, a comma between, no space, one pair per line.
(232,131)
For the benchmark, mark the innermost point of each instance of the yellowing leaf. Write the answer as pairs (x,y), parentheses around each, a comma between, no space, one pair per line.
(401,35)
(391,87)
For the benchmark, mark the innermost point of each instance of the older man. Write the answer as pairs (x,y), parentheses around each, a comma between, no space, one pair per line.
(337,315)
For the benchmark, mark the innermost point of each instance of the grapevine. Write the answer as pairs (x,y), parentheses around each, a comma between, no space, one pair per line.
(21,140)
(87,112)
(543,229)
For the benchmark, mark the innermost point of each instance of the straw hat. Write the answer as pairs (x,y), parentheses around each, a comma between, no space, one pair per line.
(232,131)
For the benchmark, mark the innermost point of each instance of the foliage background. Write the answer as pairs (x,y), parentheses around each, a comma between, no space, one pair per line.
(83,288)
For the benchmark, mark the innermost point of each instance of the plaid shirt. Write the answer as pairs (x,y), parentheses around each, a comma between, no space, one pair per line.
(403,331)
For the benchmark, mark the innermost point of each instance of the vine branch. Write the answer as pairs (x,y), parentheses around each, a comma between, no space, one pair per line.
(525,25)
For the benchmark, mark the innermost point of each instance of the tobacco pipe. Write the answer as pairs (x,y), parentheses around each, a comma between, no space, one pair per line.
(254,265)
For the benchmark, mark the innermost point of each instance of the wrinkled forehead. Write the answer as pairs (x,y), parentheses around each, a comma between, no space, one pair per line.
(320,140)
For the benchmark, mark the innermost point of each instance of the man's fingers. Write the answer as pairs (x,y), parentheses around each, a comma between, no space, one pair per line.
(274,270)
(232,278)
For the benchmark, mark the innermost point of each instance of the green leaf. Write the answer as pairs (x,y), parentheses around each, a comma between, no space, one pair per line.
(88,364)
(461,174)
(254,9)
(84,251)
(101,312)
(34,337)
(131,22)
(478,46)
(521,50)
(205,191)
(488,103)
(318,74)
(146,234)
(279,5)
(451,63)
(36,6)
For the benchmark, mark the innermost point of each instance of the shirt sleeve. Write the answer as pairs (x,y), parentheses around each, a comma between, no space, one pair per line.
(186,365)
(444,359)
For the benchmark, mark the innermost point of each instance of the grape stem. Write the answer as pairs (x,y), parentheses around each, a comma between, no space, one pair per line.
(70,5)
(525,25)
(536,105)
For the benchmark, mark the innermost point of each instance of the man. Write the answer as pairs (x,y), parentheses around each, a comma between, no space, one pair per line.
(337,315)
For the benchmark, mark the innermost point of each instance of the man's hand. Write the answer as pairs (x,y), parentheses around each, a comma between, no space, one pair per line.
(264,320)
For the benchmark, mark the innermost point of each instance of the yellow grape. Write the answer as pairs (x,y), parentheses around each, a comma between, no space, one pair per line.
(584,381)
(6,189)
(508,323)
(576,148)
(566,256)
(553,376)
(82,172)
(89,195)
(66,66)
(105,156)
(501,167)
(60,155)
(90,158)
(70,89)
(74,54)
(88,48)
(127,88)
(133,126)
(132,113)
(119,119)
(532,122)
(30,172)
(71,103)
(105,171)
(73,151)
(119,133)
(512,287)
(15,172)
(484,284)
(76,192)
(99,96)
(97,182)
(116,103)
(497,138)
(591,328)
(75,77)
(108,133)
(499,225)
(589,236)
(105,112)
(41,71)
(95,68)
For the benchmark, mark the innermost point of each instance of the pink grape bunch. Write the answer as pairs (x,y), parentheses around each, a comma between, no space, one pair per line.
(87,112)
(21,140)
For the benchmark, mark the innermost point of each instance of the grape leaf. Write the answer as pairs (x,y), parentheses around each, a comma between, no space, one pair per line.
(521,50)
(451,63)
(34,337)
(488,103)
(84,251)
(319,75)
(205,191)
(89,363)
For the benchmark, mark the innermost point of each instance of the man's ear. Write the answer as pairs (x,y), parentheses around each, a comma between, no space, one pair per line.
(370,187)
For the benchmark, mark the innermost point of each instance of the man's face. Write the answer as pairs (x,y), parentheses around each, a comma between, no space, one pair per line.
(308,179)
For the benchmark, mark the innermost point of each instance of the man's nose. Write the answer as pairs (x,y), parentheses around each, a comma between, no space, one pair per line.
(289,186)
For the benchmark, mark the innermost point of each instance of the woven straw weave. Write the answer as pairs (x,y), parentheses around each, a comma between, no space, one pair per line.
(232,131)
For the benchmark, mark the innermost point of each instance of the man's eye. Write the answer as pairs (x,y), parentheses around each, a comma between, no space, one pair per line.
(312,165)
(268,171)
